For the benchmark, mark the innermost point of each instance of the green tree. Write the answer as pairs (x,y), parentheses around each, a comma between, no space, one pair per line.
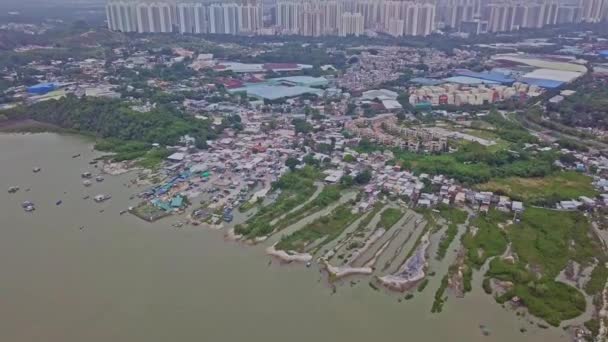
(291,163)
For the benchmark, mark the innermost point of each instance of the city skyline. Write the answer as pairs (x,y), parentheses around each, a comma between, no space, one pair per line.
(347,17)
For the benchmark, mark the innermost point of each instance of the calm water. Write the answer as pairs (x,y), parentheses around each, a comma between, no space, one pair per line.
(121,279)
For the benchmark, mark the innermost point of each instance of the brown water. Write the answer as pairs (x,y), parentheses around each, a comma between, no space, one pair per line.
(121,279)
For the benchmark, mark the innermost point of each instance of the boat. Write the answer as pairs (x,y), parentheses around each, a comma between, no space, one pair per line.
(36,169)
(86,183)
(58,202)
(122,212)
(86,197)
(13,189)
(28,206)
(308,264)
(99,179)
(76,155)
(86,175)
(101,198)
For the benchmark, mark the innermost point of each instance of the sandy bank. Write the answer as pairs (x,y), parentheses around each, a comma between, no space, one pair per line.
(344,271)
(288,257)
(232,236)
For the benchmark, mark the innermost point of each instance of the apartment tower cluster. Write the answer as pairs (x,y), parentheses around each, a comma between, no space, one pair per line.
(347,17)
(184,17)
(479,16)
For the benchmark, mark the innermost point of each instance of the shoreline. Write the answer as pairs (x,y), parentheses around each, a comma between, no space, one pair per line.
(286,257)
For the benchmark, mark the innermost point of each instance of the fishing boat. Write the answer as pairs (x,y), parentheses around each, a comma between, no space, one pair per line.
(36,169)
(86,197)
(86,183)
(58,202)
(76,155)
(13,189)
(99,178)
(86,175)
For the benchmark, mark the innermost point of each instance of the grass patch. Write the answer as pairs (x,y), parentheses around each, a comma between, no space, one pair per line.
(327,196)
(326,228)
(153,158)
(453,215)
(546,190)
(389,217)
(296,187)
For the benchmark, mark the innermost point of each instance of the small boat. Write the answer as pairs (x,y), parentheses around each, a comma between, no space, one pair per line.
(76,155)
(13,189)
(86,197)
(81,227)
(86,175)
(122,212)
(308,264)
(28,206)
(93,162)
(99,179)
(86,183)
(36,169)
(58,202)
(101,197)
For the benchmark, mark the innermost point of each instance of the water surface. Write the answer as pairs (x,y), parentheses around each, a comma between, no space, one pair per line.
(122,279)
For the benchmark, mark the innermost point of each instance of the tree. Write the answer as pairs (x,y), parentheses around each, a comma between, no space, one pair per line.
(348,158)
(291,163)
(301,126)
(347,180)
(363,177)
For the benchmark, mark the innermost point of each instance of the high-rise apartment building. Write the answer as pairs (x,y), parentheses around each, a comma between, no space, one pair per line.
(121,16)
(352,24)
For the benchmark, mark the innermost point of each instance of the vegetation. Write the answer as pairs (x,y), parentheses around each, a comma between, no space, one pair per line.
(598,279)
(439,297)
(487,286)
(586,108)
(322,230)
(446,241)
(485,238)
(453,215)
(330,194)
(389,217)
(296,188)
(543,191)
(422,285)
(593,325)
(473,163)
(544,242)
